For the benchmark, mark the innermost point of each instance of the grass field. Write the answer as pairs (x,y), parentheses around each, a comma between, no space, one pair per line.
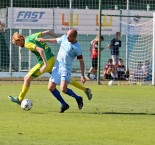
(117,115)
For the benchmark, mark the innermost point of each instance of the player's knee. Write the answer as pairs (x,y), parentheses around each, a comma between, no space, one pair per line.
(50,88)
(27,79)
(64,90)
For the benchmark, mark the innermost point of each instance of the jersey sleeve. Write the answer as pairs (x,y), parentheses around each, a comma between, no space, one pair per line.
(39,34)
(59,39)
(79,53)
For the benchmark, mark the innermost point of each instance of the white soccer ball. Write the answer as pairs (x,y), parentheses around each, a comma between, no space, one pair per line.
(110,83)
(26,104)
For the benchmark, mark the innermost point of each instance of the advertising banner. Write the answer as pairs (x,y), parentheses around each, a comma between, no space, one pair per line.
(30,18)
(85,21)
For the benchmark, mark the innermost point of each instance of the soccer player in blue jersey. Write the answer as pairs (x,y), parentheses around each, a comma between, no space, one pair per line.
(61,73)
(45,61)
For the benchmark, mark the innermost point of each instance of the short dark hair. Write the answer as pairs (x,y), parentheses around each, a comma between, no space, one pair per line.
(118,33)
(110,60)
(120,59)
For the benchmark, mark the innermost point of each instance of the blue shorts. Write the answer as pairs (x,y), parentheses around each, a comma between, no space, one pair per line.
(60,75)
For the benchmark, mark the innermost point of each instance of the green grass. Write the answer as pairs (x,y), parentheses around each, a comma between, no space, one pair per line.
(117,115)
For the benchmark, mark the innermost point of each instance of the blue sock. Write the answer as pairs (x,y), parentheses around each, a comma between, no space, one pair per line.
(57,95)
(72,94)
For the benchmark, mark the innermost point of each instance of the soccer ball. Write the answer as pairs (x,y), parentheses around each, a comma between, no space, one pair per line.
(110,83)
(26,104)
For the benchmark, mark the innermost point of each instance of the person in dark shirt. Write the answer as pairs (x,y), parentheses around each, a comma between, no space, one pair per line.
(114,47)
(121,70)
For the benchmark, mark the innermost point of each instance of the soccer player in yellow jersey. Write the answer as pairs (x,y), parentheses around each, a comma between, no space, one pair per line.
(45,61)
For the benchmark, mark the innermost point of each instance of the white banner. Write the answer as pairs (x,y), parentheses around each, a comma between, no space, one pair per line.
(30,18)
(86,21)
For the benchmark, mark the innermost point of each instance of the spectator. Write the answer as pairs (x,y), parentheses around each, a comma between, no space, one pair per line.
(137,73)
(145,67)
(4,48)
(109,70)
(142,72)
(114,47)
(146,70)
(121,70)
(94,57)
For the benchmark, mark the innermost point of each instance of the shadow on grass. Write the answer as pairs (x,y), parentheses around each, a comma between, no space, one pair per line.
(98,113)
(124,113)
(38,113)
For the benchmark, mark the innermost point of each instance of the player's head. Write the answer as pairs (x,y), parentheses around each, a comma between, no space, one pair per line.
(118,34)
(110,61)
(101,38)
(18,39)
(120,61)
(147,62)
(71,35)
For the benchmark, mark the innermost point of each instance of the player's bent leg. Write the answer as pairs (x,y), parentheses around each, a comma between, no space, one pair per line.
(25,88)
(64,89)
(22,94)
(69,92)
(33,73)
(56,94)
(79,86)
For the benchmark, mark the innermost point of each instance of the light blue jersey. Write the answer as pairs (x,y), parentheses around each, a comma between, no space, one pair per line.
(63,65)
(67,52)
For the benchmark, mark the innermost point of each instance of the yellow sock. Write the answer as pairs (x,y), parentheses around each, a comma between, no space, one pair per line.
(23,93)
(77,85)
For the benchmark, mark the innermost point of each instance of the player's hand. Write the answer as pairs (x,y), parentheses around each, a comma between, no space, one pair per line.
(40,39)
(109,46)
(43,68)
(83,79)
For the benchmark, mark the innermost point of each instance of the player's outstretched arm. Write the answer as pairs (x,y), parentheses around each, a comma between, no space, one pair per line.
(47,40)
(49,32)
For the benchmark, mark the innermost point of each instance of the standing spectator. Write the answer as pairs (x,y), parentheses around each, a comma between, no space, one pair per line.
(61,73)
(109,70)
(114,47)
(4,48)
(94,57)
